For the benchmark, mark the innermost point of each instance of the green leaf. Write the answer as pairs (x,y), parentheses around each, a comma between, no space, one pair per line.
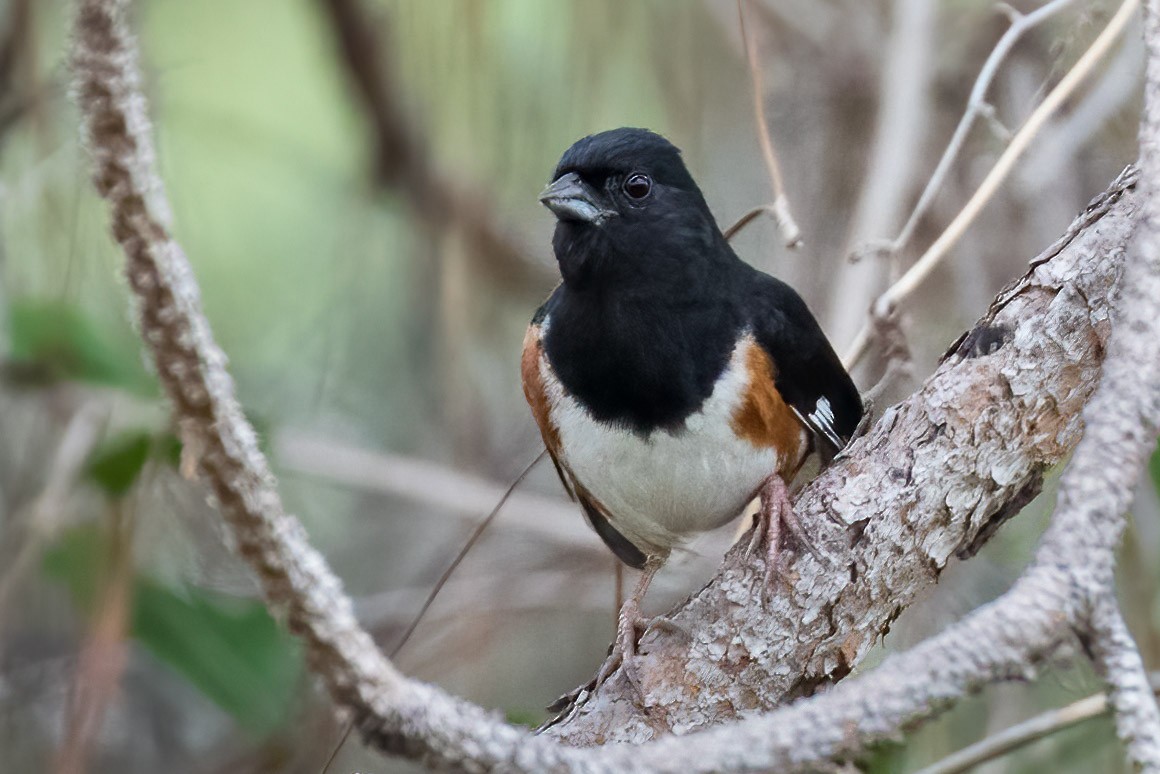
(53,341)
(886,757)
(524,717)
(230,648)
(168,447)
(115,465)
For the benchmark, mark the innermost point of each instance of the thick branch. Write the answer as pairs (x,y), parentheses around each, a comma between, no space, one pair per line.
(933,478)
(1130,692)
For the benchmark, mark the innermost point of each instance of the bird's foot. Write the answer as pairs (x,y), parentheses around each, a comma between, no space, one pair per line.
(775,515)
(622,654)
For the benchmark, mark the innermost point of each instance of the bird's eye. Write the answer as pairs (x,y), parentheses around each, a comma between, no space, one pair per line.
(637,186)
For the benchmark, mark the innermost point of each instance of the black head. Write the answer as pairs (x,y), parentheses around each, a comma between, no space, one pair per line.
(628,211)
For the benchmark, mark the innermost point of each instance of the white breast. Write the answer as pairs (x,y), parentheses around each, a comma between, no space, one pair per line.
(661,488)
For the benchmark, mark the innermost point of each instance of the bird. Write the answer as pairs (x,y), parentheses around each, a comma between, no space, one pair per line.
(672,382)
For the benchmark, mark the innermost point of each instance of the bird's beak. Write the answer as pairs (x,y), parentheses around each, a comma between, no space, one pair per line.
(570,198)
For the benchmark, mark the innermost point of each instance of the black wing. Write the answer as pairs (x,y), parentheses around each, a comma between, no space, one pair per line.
(809,375)
(624,549)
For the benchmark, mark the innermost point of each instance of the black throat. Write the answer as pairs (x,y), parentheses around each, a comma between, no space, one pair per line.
(645,356)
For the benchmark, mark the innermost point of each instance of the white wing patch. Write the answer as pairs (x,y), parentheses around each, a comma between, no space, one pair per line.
(822,420)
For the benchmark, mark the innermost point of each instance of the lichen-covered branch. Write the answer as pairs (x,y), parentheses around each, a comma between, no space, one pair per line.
(1130,691)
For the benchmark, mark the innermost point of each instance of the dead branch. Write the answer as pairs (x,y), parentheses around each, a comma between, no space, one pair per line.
(886,304)
(1017,736)
(790,233)
(403,161)
(977,106)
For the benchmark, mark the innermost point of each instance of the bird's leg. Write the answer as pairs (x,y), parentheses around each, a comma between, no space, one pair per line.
(624,647)
(776,511)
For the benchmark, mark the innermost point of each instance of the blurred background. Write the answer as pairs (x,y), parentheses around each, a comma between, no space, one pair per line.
(355,184)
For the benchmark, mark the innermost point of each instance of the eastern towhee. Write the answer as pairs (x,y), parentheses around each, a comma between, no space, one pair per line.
(671,381)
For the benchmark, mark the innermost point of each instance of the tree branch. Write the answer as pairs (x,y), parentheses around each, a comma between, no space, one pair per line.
(1130,691)
(552,518)
(790,233)
(976,106)
(402,159)
(886,304)
(1010,739)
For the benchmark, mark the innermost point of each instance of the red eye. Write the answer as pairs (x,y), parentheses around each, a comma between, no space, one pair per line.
(637,186)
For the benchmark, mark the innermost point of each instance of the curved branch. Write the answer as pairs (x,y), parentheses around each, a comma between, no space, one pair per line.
(408,717)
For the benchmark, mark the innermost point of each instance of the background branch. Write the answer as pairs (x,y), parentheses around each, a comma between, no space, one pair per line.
(885,306)
(1011,739)
(977,106)
(790,233)
(403,161)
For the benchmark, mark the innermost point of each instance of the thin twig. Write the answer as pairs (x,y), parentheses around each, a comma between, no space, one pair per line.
(472,539)
(476,534)
(432,484)
(1020,735)
(1117,87)
(885,305)
(976,106)
(779,209)
(103,656)
(747,218)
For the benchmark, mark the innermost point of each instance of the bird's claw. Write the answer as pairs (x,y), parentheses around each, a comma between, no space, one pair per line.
(776,512)
(623,652)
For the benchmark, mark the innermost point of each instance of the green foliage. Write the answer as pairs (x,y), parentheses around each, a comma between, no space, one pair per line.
(883,758)
(117,463)
(53,341)
(78,560)
(231,649)
(167,448)
(524,717)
